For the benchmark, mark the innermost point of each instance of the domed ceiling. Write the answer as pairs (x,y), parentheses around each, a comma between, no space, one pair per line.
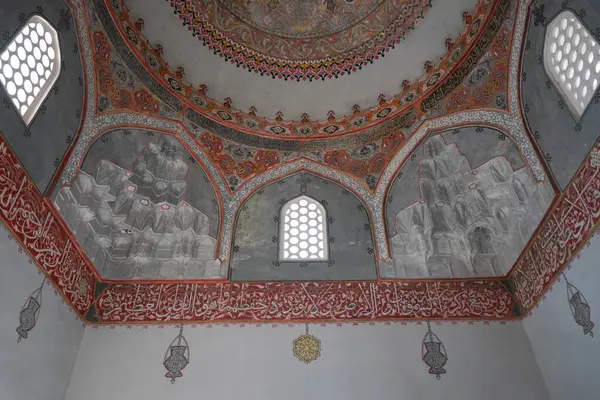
(304,37)
(335,56)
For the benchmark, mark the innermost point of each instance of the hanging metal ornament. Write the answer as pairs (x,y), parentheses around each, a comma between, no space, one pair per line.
(579,308)
(307,348)
(30,312)
(177,356)
(433,353)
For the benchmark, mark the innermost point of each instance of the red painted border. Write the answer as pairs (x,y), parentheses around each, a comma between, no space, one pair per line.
(574,217)
(31,220)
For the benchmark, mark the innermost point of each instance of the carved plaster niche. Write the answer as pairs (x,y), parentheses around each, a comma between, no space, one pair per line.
(131,209)
(464,205)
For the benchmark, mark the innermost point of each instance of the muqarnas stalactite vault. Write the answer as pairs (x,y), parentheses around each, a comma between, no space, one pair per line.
(138,223)
(475,212)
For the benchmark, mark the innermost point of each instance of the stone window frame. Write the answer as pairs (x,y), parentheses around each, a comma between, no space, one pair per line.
(322,243)
(579,67)
(16,70)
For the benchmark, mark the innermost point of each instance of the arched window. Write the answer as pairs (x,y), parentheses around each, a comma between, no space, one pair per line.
(572,60)
(30,65)
(303,228)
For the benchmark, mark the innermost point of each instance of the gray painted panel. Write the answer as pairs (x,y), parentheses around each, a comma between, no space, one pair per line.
(465,204)
(478,144)
(42,147)
(568,358)
(142,208)
(563,141)
(123,148)
(257,230)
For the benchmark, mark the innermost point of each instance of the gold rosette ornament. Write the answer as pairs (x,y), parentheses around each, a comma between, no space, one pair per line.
(307,348)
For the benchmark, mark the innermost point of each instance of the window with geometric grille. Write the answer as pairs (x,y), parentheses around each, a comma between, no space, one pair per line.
(572,60)
(303,228)
(30,65)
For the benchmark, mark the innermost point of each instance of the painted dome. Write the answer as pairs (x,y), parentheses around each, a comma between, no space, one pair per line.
(295,32)
(323,85)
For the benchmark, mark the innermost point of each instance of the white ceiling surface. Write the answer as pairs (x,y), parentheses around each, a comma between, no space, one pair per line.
(427,42)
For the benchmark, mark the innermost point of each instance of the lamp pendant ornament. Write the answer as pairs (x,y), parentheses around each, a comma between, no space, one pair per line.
(579,308)
(433,353)
(177,356)
(307,348)
(30,312)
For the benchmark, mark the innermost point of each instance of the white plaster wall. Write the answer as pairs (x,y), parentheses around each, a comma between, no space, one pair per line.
(40,366)
(568,359)
(493,362)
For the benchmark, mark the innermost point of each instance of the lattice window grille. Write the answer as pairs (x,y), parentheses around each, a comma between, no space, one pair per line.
(572,60)
(30,65)
(595,158)
(303,231)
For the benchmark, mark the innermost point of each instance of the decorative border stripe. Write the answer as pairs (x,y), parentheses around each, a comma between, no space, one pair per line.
(572,221)
(32,221)
(304,301)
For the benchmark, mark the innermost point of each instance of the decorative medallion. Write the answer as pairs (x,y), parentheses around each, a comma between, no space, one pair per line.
(579,308)
(30,312)
(307,348)
(434,353)
(301,39)
(177,356)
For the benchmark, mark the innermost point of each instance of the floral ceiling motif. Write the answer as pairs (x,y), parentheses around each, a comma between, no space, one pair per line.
(297,39)
(240,156)
(487,84)
(116,85)
(307,19)
(236,163)
(419,98)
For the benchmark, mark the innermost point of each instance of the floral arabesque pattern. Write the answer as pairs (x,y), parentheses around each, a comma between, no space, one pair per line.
(487,84)
(237,163)
(296,34)
(195,104)
(116,84)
